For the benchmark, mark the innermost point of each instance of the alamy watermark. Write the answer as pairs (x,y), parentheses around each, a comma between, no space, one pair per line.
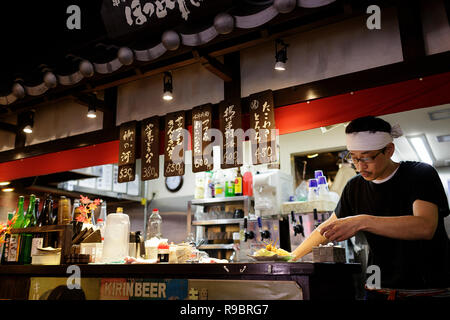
(264,145)
(374,280)
(374,20)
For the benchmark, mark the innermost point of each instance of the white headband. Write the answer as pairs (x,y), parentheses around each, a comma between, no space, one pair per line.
(366,140)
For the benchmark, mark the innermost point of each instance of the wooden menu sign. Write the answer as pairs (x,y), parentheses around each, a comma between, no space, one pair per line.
(127,148)
(262,121)
(230,120)
(175,144)
(150,148)
(201,123)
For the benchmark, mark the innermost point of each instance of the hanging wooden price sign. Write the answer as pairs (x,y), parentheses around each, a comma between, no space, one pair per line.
(175,144)
(150,148)
(262,122)
(201,123)
(231,127)
(127,148)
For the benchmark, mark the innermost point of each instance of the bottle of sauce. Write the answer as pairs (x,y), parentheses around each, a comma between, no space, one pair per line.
(238,183)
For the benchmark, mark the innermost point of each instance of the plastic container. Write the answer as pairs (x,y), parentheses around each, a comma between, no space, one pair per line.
(229,184)
(247,182)
(101,227)
(312,190)
(117,234)
(154,225)
(318,173)
(219,185)
(323,193)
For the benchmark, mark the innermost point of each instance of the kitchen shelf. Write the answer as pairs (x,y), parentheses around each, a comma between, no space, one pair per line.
(216,222)
(208,201)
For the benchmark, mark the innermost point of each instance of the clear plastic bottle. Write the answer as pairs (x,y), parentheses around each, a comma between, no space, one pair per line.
(219,185)
(312,190)
(103,212)
(154,225)
(101,226)
(323,193)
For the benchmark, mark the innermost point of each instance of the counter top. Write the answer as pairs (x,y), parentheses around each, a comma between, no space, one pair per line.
(244,268)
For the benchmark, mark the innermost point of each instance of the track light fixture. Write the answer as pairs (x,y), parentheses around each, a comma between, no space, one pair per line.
(92,112)
(280,55)
(168,87)
(28,122)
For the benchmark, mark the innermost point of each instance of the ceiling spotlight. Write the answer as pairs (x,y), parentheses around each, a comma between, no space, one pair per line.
(8,189)
(4,183)
(91,113)
(310,156)
(280,55)
(168,87)
(27,121)
(28,129)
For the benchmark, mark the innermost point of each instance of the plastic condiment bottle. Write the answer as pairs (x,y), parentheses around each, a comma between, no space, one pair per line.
(219,185)
(323,193)
(247,181)
(312,190)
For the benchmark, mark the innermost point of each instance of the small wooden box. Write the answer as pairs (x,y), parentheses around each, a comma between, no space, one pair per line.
(329,254)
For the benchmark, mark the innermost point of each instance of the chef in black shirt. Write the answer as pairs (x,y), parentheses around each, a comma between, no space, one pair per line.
(400,208)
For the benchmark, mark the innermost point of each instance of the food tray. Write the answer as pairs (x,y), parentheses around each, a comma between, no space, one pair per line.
(275,257)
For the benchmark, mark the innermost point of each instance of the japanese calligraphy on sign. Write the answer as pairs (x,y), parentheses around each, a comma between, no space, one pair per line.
(201,123)
(127,148)
(175,144)
(262,121)
(122,16)
(150,148)
(230,121)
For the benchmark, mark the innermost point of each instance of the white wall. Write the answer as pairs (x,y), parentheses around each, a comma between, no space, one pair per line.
(436,29)
(60,120)
(322,53)
(192,86)
(7,139)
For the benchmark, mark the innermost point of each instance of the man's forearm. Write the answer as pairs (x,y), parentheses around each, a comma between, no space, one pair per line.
(402,227)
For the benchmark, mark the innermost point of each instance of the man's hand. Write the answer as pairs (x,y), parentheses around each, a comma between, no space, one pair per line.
(342,229)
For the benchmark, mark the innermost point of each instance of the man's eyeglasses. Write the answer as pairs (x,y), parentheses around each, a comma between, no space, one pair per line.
(371,159)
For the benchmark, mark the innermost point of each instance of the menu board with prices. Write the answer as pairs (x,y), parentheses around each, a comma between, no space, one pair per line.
(262,123)
(230,121)
(150,148)
(201,123)
(175,144)
(127,148)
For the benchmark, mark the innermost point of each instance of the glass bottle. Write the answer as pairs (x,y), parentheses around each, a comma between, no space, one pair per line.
(38,238)
(14,240)
(5,252)
(30,212)
(238,183)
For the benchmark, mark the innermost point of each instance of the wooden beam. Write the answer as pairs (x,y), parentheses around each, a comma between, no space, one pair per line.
(232,89)
(411,31)
(447,9)
(110,110)
(217,68)
(8,127)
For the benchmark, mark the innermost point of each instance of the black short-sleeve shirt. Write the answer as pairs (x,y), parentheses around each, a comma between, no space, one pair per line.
(404,264)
